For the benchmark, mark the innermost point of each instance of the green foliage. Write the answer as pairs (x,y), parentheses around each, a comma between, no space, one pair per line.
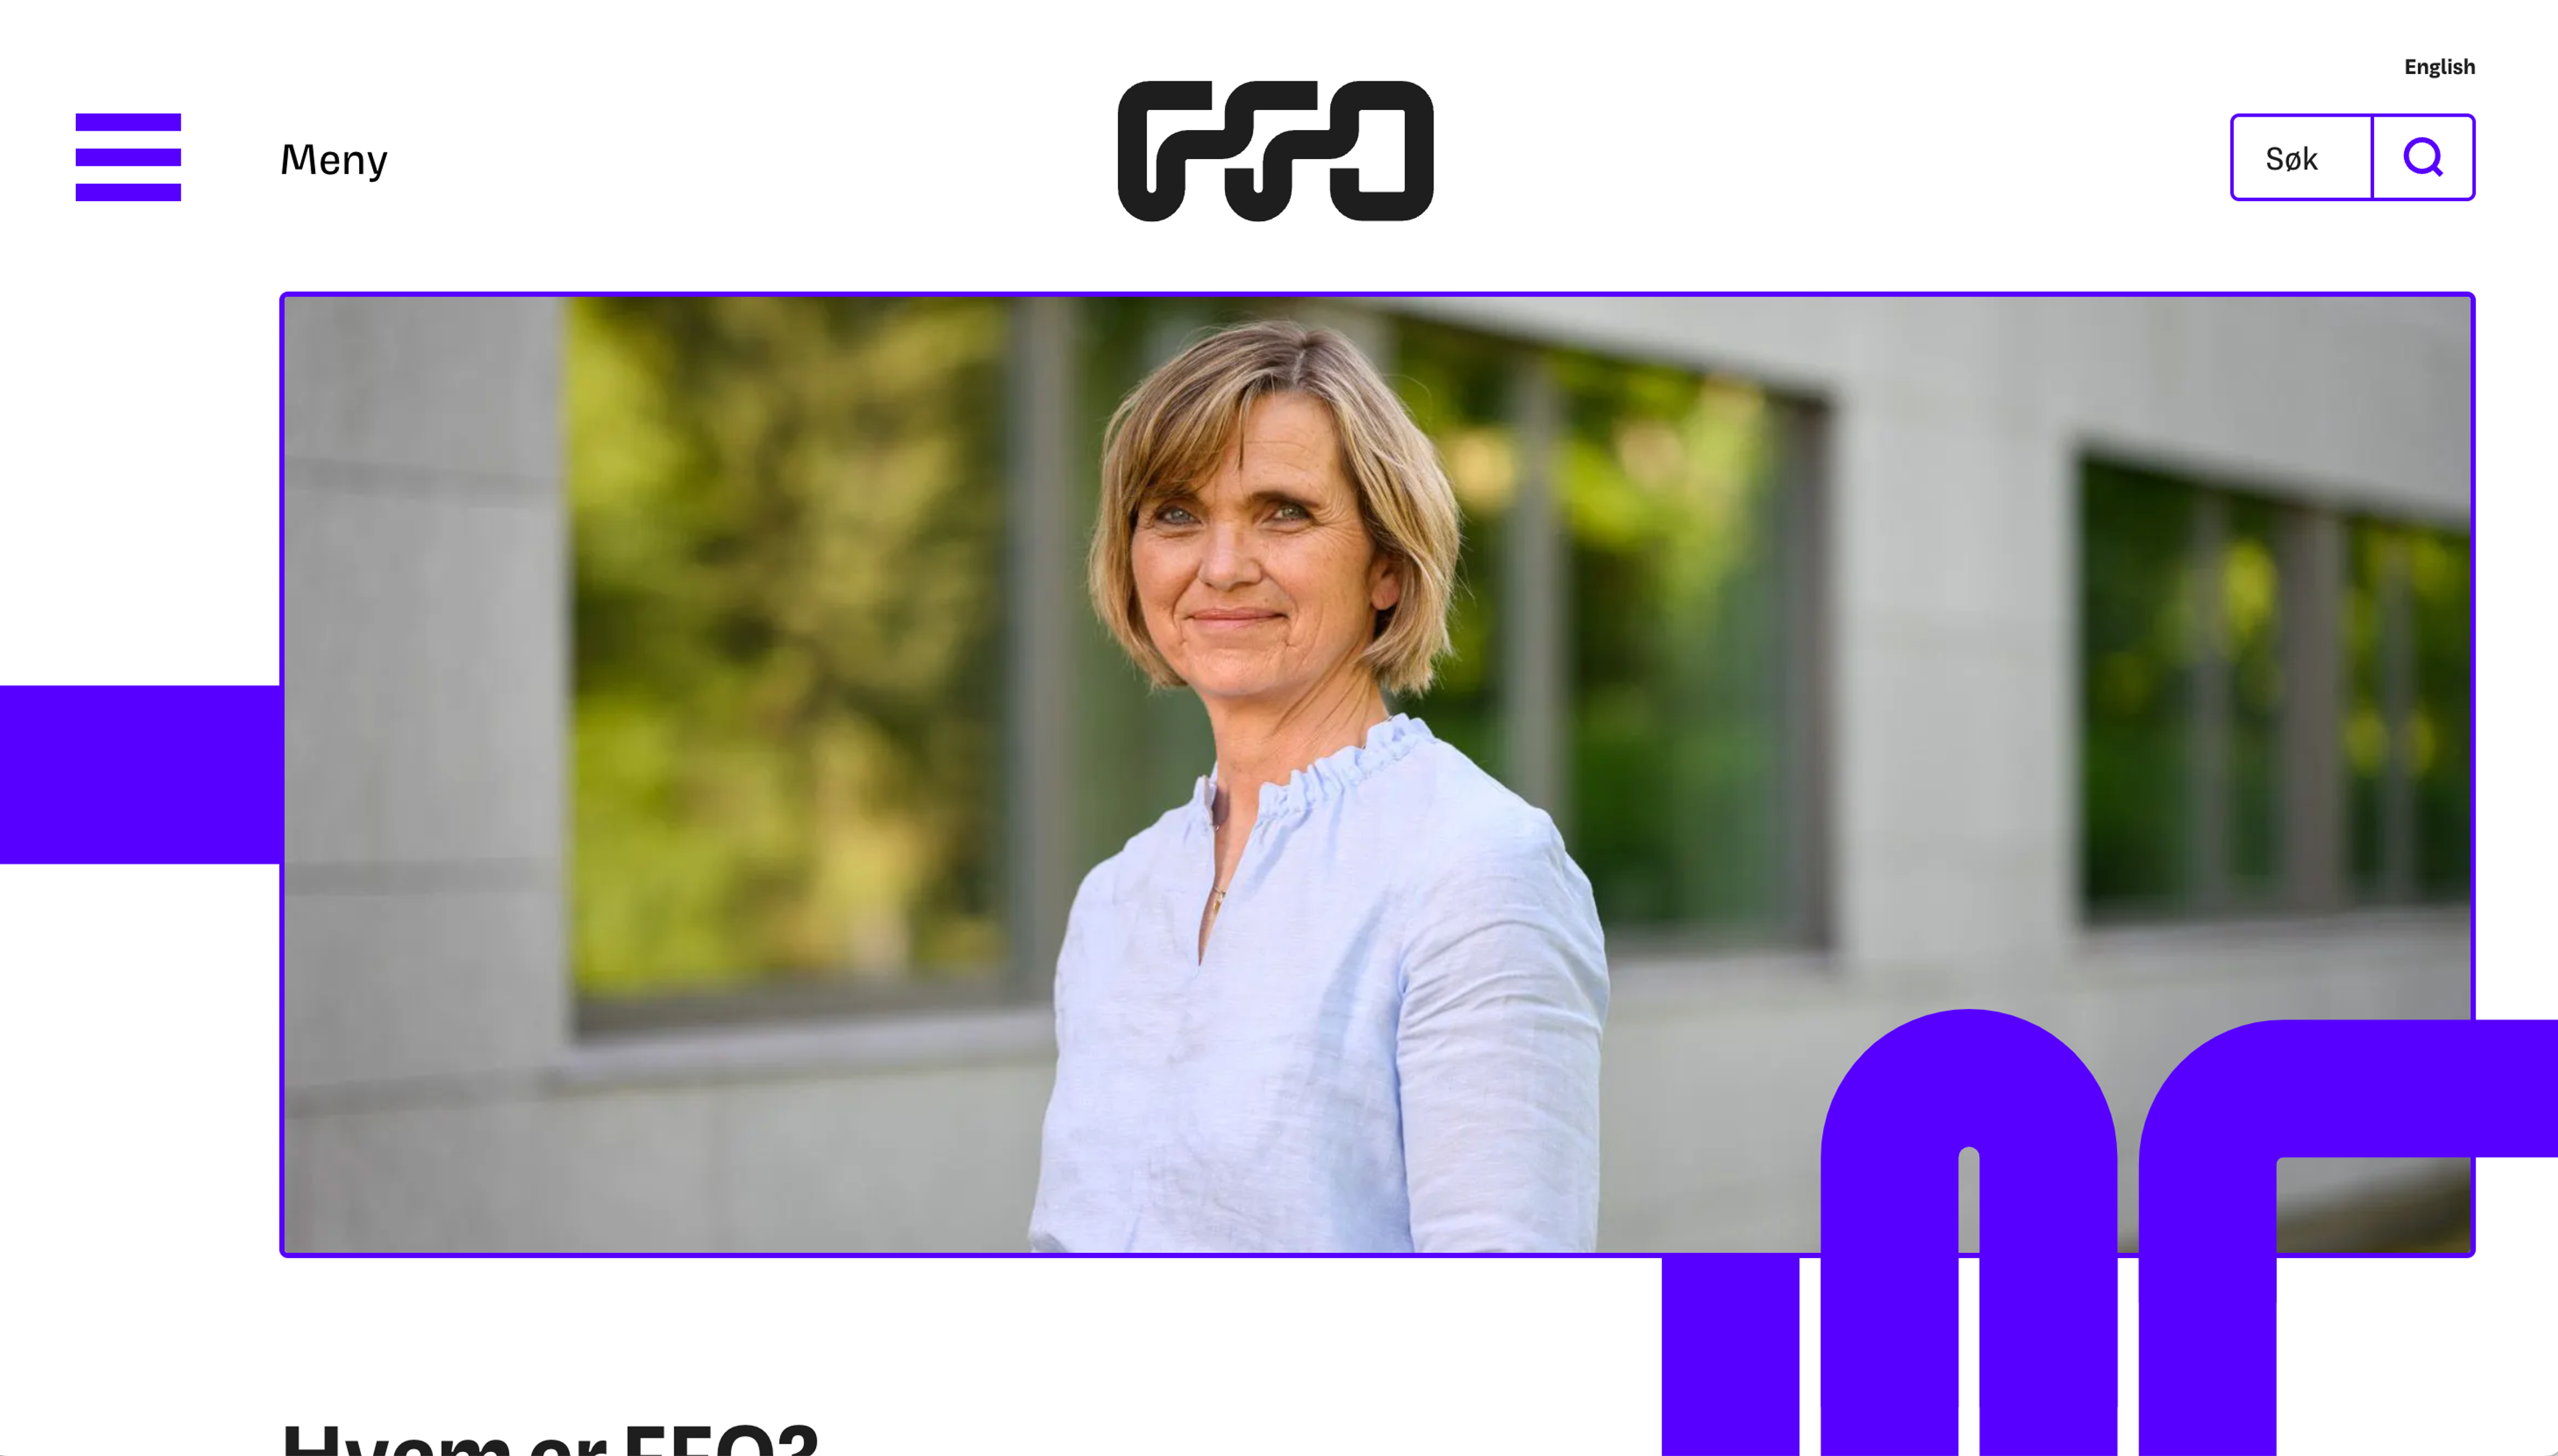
(1682,812)
(2437,731)
(2408,598)
(786,518)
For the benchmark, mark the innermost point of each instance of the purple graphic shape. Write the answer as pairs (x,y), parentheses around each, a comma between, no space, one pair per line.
(1891,1229)
(125,122)
(126,157)
(2304,1089)
(124,191)
(1731,1341)
(142,775)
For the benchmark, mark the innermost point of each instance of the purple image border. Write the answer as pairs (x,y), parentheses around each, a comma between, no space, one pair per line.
(2372,182)
(1739,1351)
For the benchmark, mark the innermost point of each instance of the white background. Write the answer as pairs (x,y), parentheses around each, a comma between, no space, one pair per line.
(143,1306)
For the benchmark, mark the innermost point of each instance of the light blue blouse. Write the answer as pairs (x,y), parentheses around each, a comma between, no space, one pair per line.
(1391,1044)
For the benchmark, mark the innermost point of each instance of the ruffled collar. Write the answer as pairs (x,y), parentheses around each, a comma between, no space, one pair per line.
(1327,777)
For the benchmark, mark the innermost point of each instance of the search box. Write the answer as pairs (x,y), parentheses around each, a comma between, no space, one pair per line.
(2352,157)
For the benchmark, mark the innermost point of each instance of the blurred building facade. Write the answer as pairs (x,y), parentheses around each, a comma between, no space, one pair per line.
(695,729)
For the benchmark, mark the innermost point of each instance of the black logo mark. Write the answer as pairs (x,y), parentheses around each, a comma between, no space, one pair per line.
(1279,158)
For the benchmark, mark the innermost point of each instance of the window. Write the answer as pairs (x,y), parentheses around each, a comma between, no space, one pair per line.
(1688,561)
(2275,703)
(2407,722)
(846,735)
(786,516)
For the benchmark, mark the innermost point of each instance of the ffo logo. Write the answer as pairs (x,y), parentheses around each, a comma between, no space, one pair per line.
(1280,156)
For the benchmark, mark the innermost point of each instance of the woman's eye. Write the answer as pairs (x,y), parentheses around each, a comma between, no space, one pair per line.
(1291,510)
(1174,516)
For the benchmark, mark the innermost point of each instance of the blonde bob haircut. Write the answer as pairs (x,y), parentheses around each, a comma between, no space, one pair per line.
(1173,429)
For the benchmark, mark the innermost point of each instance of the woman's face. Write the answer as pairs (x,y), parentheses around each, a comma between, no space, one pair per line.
(1260,582)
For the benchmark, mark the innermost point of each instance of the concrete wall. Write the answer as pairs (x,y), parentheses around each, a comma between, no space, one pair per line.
(437,1098)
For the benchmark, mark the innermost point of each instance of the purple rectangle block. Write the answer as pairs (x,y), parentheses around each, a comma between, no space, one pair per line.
(1731,1342)
(125,122)
(127,156)
(141,776)
(124,191)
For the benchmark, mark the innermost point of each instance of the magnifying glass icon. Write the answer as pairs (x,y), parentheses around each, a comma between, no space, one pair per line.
(2433,156)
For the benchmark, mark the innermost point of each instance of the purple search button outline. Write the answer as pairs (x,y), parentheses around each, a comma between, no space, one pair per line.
(2370,183)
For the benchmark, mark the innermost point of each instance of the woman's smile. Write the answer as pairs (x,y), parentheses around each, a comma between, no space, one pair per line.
(1228,620)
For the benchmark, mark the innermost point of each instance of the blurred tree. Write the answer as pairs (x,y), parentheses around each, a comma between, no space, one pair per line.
(2438,732)
(787,518)
(1679,731)
(2140,650)
(2408,726)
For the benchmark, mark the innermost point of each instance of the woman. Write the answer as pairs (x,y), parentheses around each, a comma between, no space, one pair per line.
(1350,996)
